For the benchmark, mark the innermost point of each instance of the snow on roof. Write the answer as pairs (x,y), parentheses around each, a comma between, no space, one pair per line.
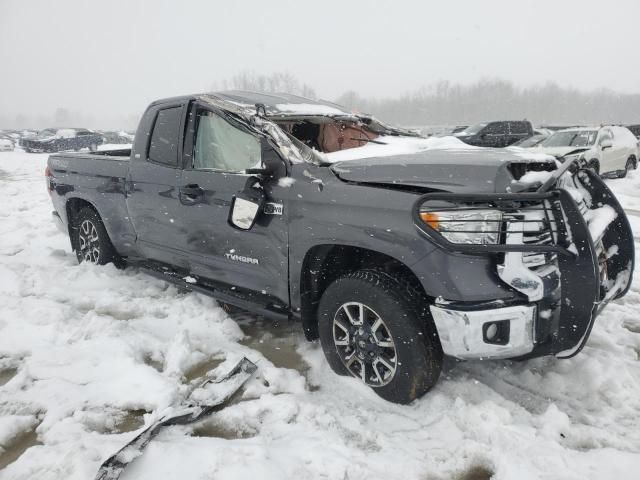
(307,109)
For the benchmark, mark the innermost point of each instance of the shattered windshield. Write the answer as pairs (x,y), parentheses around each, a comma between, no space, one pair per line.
(308,154)
(575,138)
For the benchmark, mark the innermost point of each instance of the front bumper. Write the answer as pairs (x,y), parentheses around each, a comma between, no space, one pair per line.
(495,333)
(561,284)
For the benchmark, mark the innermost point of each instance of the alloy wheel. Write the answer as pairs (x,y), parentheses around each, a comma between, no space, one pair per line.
(89,242)
(364,344)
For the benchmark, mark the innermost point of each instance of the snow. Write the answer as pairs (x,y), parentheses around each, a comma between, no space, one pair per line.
(534,177)
(307,109)
(93,343)
(286,182)
(392,145)
(599,219)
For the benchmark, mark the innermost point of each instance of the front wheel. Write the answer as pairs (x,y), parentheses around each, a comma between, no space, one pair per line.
(376,328)
(91,240)
(627,168)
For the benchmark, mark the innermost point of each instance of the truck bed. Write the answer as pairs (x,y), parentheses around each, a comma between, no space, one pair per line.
(109,163)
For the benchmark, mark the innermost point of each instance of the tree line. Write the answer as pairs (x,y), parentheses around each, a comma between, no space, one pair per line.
(447,103)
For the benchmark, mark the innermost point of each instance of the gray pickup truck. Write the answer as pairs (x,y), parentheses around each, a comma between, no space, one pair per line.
(389,248)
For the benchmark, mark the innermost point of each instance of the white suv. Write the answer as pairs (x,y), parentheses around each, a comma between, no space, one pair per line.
(607,149)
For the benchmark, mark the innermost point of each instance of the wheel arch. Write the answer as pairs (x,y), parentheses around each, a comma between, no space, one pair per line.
(322,264)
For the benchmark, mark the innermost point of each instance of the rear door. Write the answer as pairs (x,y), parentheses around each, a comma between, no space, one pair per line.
(218,149)
(152,195)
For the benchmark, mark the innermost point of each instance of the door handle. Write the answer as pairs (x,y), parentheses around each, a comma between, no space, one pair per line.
(191,193)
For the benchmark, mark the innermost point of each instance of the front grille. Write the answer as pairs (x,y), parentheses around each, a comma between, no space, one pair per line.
(541,229)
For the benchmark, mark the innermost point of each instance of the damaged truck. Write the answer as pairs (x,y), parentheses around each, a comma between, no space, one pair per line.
(391,249)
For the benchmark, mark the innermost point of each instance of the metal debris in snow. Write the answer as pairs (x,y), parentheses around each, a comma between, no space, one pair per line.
(208,397)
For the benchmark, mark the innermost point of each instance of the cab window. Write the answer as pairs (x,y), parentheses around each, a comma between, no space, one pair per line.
(163,147)
(223,146)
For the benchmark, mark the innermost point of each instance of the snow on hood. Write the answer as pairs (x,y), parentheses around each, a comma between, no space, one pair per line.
(395,145)
(398,145)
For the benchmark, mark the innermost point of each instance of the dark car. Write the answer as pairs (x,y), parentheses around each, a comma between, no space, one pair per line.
(496,134)
(388,251)
(61,139)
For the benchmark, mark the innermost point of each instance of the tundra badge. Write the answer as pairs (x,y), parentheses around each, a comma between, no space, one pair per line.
(241,258)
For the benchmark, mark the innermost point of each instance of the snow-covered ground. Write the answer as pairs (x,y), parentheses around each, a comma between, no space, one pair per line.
(89,354)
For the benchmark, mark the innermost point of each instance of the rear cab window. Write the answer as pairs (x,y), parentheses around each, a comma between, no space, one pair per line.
(163,146)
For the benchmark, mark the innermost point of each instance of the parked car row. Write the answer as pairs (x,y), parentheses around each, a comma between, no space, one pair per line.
(608,149)
(52,140)
(57,140)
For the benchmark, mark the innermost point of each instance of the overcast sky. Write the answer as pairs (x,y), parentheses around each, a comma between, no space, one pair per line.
(112,57)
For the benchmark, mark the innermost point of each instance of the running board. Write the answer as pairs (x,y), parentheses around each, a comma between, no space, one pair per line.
(268,311)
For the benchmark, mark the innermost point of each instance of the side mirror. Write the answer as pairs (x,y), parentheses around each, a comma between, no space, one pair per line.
(606,143)
(246,205)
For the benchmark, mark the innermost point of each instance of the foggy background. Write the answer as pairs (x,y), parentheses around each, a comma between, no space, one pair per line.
(99,63)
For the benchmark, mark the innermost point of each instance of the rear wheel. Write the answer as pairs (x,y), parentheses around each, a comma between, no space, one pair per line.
(91,240)
(375,328)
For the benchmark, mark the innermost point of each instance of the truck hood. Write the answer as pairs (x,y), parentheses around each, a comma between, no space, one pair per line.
(459,171)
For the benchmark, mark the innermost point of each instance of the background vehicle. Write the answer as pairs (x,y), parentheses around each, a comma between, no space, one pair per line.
(608,149)
(537,138)
(117,138)
(6,145)
(496,134)
(389,266)
(57,140)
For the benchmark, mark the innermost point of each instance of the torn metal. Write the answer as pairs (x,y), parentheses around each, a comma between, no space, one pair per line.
(208,397)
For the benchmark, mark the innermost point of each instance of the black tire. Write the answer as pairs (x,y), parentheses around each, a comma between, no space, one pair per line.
(594,165)
(406,325)
(91,241)
(628,166)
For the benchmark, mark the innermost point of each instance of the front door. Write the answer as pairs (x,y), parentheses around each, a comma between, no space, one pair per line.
(217,154)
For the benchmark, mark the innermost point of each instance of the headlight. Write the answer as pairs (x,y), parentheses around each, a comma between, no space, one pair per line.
(480,227)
